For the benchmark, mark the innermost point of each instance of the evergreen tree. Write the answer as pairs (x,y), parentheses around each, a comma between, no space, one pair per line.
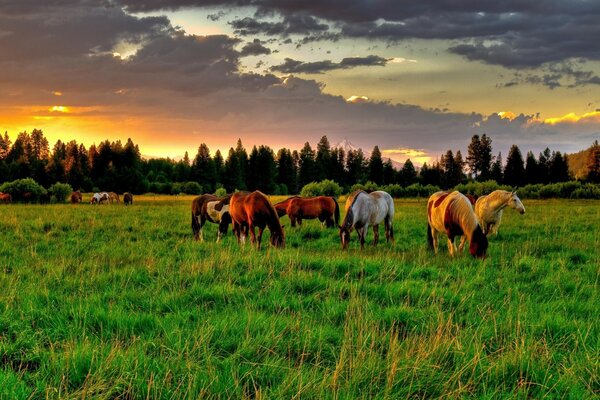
(183,169)
(286,173)
(514,172)
(233,178)
(376,166)
(532,173)
(389,173)
(307,168)
(337,170)
(355,167)
(543,166)
(479,157)
(322,160)
(219,166)
(56,167)
(262,170)
(203,169)
(431,175)
(242,162)
(452,169)
(559,169)
(4,146)
(408,174)
(496,171)
(593,163)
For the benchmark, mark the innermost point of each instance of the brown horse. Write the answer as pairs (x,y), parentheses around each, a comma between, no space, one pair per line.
(211,208)
(452,214)
(112,197)
(282,206)
(127,198)
(76,197)
(325,208)
(5,198)
(251,210)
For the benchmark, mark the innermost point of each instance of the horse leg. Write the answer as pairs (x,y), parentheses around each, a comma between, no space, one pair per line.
(236,231)
(362,232)
(201,232)
(451,248)
(434,234)
(260,233)
(375,234)
(299,221)
(461,246)
(244,229)
(292,221)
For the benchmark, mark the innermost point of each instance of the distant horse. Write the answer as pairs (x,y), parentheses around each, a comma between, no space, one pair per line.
(112,197)
(99,198)
(76,197)
(127,198)
(489,208)
(364,210)
(452,213)
(211,208)
(5,198)
(282,206)
(251,210)
(325,208)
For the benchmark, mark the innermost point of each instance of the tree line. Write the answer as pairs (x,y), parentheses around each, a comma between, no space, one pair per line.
(119,167)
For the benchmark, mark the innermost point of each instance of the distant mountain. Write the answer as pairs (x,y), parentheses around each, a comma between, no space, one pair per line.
(347,145)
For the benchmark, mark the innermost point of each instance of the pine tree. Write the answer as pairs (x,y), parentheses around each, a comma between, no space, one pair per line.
(355,167)
(532,173)
(544,166)
(286,174)
(559,169)
(496,171)
(389,173)
(514,172)
(408,174)
(323,159)
(203,169)
(479,157)
(376,166)
(307,168)
(593,163)
(4,146)
(233,178)
(219,166)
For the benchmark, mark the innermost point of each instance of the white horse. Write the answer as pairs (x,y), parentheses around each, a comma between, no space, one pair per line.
(364,210)
(99,198)
(489,208)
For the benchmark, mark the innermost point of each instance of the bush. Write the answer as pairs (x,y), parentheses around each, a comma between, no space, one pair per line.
(192,188)
(367,187)
(395,190)
(220,192)
(324,188)
(587,191)
(177,188)
(60,191)
(480,188)
(19,188)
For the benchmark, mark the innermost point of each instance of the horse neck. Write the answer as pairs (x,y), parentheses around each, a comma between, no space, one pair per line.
(498,203)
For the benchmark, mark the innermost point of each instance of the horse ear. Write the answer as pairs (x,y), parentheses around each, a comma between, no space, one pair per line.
(514,190)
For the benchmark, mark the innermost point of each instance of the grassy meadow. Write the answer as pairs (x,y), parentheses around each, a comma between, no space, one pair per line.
(119,302)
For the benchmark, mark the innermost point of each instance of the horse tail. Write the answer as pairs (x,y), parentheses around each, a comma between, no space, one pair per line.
(429,236)
(195,225)
(336,216)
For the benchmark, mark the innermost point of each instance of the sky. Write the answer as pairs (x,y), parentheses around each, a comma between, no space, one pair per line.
(414,78)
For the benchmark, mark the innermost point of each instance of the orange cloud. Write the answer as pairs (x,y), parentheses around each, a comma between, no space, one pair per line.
(357,99)
(572,118)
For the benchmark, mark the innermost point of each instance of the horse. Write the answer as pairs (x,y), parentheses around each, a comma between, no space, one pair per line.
(325,208)
(99,198)
(211,208)
(76,197)
(282,206)
(112,197)
(472,199)
(489,208)
(364,210)
(452,213)
(251,210)
(127,198)
(5,198)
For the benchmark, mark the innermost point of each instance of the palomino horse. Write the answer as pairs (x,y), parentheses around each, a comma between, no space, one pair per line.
(211,208)
(127,198)
(76,197)
(254,210)
(325,208)
(99,198)
(5,198)
(364,210)
(452,214)
(112,197)
(489,208)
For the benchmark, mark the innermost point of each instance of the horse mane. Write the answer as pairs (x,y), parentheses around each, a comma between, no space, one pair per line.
(463,213)
(273,221)
(349,213)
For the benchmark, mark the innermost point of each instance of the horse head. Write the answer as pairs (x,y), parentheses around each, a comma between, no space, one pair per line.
(345,235)
(478,244)
(515,202)
(278,239)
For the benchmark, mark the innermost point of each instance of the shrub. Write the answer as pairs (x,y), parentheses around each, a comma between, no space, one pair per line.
(326,187)
(60,191)
(220,192)
(18,189)
(177,188)
(480,188)
(367,187)
(192,188)
(587,191)
(395,190)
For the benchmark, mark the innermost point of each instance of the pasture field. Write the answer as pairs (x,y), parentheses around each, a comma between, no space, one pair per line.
(119,302)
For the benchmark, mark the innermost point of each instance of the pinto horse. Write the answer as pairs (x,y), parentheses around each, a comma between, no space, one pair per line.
(127,198)
(211,208)
(99,198)
(5,198)
(489,208)
(325,208)
(452,213)
(364,210)
(254,210)
(76,197)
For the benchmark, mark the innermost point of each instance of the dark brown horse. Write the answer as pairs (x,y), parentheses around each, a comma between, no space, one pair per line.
(127,198)
(282,206)
(76,197)
(5,198)
(211,208)
(325,208)
(254,210)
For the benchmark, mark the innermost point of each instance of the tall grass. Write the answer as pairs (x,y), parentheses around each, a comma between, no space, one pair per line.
(120,302)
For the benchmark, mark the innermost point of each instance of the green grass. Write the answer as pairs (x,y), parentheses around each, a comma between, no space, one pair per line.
(120,302)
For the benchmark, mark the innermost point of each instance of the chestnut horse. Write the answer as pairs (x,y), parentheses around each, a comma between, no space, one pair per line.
(452,214)
(76,197)
(127,198)
(5,198)
(254,210)
(112,197)
(211,208)
(282,206)
(325,208)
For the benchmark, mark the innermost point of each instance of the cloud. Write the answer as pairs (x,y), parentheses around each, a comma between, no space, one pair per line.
(290,25)
(254,48)
(290,66)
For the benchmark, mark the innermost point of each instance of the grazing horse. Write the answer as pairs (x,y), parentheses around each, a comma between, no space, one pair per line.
(472,199)
(127,198)
(364,210)
(211,208)
(5,198)
(112,197)
(99,198)
(489,208)
(76,197)
(282,206)
(251,210)
(452,213)
(325,208)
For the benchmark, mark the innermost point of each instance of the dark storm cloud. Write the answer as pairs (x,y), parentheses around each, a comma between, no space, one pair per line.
(553,75)
(254,48)
(290,25)
(290,66)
